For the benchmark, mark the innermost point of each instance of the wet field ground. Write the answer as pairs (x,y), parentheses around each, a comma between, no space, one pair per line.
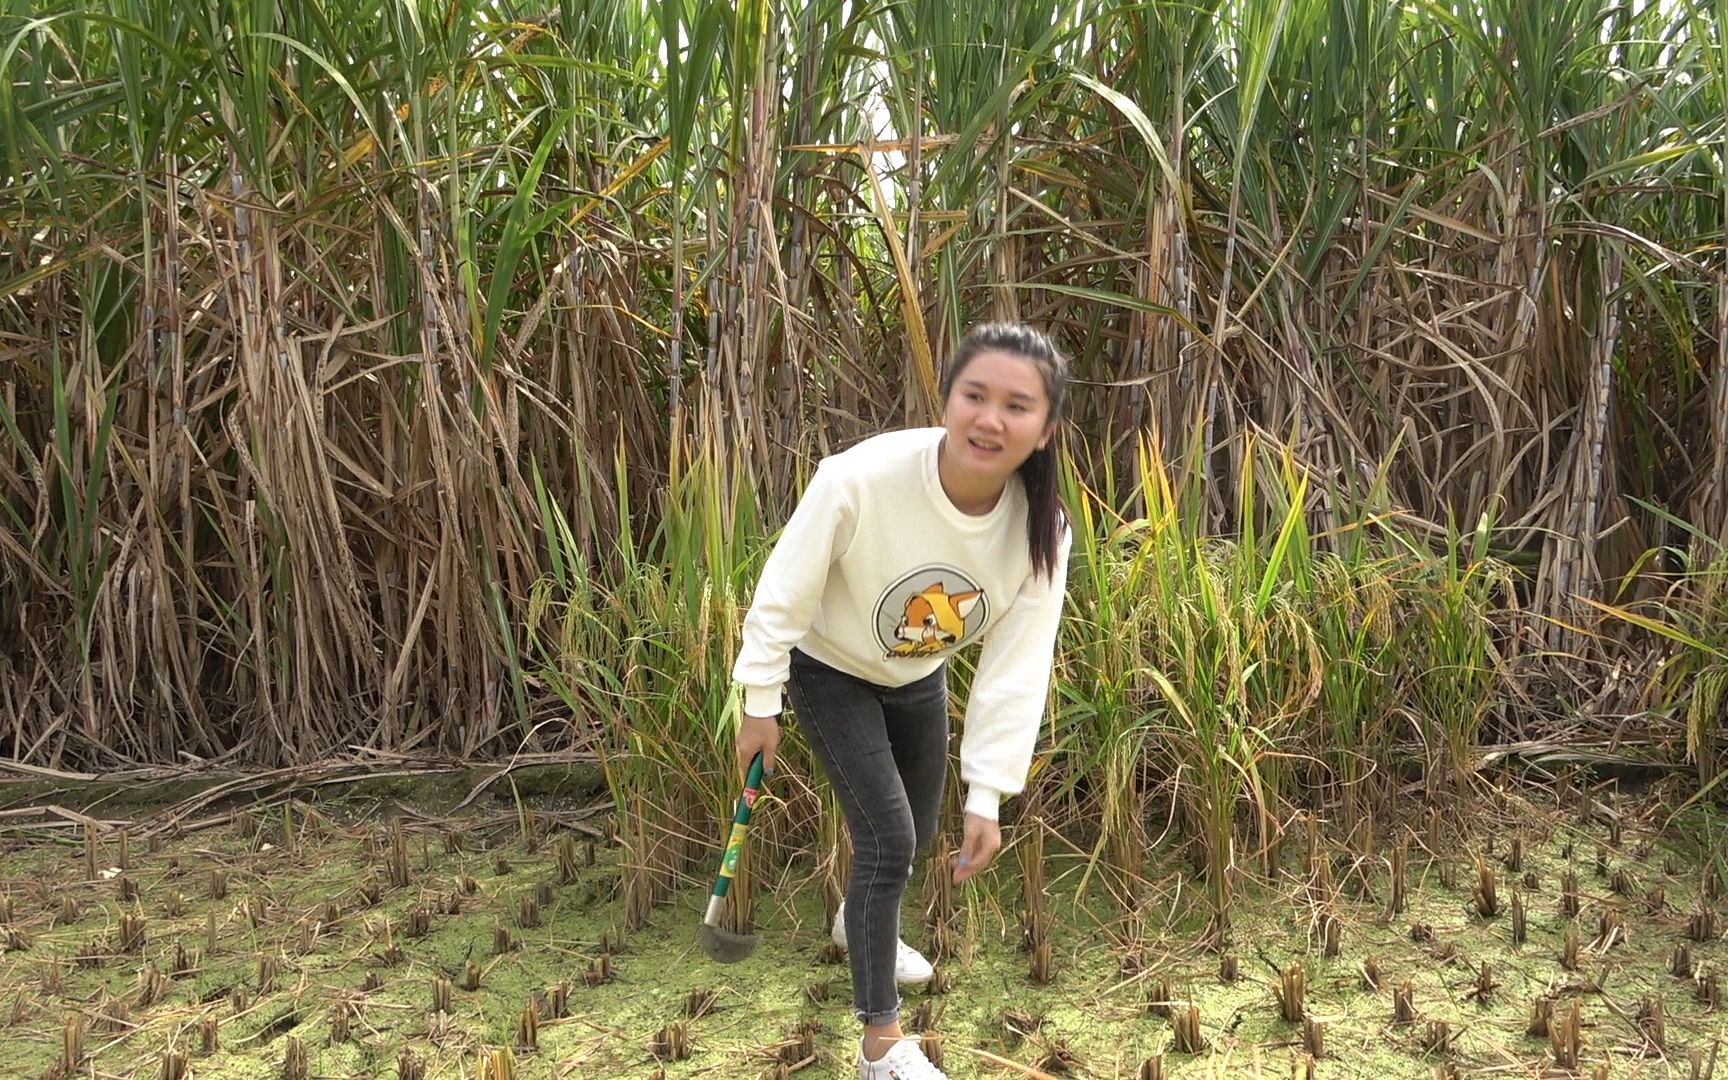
(362,937)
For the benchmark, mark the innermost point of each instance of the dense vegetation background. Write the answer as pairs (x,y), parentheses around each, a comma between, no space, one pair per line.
(392,377)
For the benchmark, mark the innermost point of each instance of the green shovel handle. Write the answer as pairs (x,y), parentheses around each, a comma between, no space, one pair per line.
(740,826)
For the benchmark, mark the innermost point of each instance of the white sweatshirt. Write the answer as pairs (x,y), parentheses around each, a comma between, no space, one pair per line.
(879,576)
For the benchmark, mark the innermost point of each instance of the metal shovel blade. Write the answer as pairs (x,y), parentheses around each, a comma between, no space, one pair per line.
(725,947)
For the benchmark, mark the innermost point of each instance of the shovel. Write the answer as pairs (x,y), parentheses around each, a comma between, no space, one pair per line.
(719,945)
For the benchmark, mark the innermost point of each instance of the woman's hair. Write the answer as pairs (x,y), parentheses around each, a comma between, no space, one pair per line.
(1045,517)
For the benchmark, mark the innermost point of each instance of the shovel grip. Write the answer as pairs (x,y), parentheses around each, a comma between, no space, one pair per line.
(740,827)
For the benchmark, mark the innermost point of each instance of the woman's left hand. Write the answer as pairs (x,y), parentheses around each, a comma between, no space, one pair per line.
(982,839)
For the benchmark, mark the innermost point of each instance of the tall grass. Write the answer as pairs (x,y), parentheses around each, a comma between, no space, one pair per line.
(1449,641)
(1233,679)
(1689,681)
(1103,688)
(1235,663)
(310,313)
(644,664)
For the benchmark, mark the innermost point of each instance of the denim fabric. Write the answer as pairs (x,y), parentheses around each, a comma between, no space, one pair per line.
(885,753)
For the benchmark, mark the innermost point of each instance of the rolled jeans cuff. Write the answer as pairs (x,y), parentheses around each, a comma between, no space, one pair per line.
(874,1018)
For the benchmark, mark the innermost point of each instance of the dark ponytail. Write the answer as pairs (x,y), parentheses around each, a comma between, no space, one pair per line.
(1045,516)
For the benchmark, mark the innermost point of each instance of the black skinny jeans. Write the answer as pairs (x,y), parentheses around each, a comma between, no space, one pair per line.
(885,753)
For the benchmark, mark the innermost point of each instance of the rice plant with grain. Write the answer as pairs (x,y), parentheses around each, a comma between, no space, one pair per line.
(398,402)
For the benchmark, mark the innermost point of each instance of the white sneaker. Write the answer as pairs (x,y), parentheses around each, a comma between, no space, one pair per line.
(910,967)
(904,1060)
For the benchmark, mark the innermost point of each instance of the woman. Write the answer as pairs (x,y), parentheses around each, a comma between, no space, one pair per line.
(904,548)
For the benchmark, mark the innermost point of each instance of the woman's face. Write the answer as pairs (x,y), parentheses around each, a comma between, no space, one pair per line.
(997,414)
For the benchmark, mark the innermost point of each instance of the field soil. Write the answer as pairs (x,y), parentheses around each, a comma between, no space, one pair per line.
(353,927)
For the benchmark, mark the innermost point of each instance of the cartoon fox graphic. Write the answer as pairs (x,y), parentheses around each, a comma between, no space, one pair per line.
(933,621)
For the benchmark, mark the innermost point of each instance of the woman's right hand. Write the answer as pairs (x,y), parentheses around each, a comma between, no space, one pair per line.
(757,734)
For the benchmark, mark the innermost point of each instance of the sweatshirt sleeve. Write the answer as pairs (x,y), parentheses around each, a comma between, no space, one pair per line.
(790,590)
(1010,689)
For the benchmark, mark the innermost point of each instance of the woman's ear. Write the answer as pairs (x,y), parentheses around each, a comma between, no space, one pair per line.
(1049,433)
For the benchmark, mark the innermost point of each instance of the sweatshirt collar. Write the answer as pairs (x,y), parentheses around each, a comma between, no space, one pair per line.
(945,506)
